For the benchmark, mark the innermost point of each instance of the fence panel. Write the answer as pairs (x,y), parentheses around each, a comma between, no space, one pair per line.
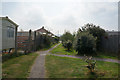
(111,43)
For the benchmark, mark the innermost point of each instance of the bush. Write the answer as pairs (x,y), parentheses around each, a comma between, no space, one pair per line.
(85,43)
(96,31)
(56,39)
(67,44)
(91,63)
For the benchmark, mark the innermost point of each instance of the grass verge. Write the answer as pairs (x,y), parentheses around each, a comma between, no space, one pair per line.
(18,67)
(62,51)
(64,67)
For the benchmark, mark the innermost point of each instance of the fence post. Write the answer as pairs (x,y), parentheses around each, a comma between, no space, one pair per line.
(34,40)
(29,41)
(16,39)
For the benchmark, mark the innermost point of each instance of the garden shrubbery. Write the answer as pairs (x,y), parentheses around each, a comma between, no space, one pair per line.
(96,31)
(67,44)
(67,40)
(85,43)
(87,40)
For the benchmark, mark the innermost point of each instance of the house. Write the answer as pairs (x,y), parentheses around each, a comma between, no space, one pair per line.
(8,28)
(44,31)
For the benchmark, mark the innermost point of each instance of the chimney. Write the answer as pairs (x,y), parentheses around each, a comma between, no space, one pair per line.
(6,16)
(43,27)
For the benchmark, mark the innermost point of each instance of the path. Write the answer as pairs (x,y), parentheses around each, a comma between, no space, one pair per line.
(38,69)
(99,59)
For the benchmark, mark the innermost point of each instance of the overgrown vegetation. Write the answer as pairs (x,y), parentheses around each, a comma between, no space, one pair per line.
(47,41)
(67,40)
(87,40)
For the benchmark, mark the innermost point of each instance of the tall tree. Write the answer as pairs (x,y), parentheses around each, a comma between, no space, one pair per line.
(67,36)
(96,31)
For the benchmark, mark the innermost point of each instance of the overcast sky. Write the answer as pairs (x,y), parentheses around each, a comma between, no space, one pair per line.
(58,16)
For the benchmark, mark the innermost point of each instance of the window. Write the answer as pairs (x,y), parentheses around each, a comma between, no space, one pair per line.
(10,32)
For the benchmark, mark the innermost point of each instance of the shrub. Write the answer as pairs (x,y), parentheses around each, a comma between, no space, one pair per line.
(64,44)
(91,63)
(67,44)
(96,31)
(85,43)
(56,39)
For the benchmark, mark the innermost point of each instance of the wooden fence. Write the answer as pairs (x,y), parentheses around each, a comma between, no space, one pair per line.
(111,43)
(32,42)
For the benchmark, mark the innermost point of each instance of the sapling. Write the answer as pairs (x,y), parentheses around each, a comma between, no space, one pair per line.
(91,63)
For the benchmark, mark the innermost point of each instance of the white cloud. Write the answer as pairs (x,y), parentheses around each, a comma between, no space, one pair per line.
(29,16)
(60,0)
(78,14)
(60,16)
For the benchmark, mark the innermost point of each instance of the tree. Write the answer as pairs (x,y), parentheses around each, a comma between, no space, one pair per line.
(67,40)
(67,36)
(85,43)
(68,45)
(96,31)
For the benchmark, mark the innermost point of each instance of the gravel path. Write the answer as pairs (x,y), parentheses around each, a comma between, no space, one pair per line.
(99,59)
(38,69)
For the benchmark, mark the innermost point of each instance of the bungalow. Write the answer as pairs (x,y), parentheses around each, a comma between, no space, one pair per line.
(9,32)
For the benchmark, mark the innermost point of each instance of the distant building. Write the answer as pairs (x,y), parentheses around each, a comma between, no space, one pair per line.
(9,33)
(44,31)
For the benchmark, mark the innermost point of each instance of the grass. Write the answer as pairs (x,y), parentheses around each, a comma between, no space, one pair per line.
(18,67)
(64,67)
(107,55)
(62,51)
(46,48)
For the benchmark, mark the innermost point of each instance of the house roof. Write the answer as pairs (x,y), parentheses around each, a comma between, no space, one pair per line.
(43,30)
(6,18)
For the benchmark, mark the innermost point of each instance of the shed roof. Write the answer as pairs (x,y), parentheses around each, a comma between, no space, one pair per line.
(6,18)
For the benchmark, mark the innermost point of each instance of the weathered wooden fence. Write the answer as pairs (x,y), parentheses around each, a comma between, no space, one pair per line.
(33,41)
(111,43)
